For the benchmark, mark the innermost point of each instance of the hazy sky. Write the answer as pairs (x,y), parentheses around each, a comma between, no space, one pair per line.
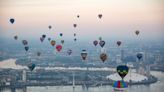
(120,18)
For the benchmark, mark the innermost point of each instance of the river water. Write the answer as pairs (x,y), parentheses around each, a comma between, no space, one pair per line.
(156,87)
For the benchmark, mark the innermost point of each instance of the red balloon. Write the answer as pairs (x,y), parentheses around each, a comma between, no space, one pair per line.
(58,48)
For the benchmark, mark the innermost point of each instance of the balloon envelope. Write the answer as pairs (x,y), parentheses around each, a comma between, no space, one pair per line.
(78,16)
(31,66)
(122,70)
(61,34)
(24,42)
(69,52)
(102,43)
(38,53)
(43,36)
(62,41)
(74,34)
(120,84)
(137,32)
(95,42)
(26,48)
(100,16)
(74,25)
(119,43)
(75,39)
(15,37)
(103,57)
(84,54)
(12,20)
(53,43)
(49,39)
(139,56)
(41,39)
(100,38)
(49,26)
(58,48)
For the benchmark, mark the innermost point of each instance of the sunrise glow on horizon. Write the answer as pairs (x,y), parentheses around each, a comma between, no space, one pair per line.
(120,17)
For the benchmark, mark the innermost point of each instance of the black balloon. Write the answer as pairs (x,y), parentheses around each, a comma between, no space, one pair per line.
(12,20)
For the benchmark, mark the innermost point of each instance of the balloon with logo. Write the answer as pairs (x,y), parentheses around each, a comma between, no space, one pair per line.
(102,43)
(53,43)
(103,57)
(122,70)
(95,42)
(84,54)
(58,48)
(12,20)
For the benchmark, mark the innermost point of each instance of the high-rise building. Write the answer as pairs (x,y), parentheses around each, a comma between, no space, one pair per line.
(24,76)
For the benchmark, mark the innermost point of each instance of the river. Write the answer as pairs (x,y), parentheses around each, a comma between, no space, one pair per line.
(156,87)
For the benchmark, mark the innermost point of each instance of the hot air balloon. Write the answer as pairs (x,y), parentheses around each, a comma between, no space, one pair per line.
(95,42)
(62,41)
(100,16)
(15,37)
(49,26)
(41,39)
(24,42)
(43,36)
(139,56)
(58,48)
(137,32)
(61,34)
(69,52)
(120,85)
(84,54)
(74,34)
(26,48)
(31,66)
(100,38)
(78,16)
(74,25)
(75,39)
(53,43)
(49,39)
(118,43)
(38,53)
(12,20)
(102,43)
(122,70)
(103,57)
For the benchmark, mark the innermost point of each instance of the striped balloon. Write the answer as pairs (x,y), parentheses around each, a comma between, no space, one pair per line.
(120,84)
